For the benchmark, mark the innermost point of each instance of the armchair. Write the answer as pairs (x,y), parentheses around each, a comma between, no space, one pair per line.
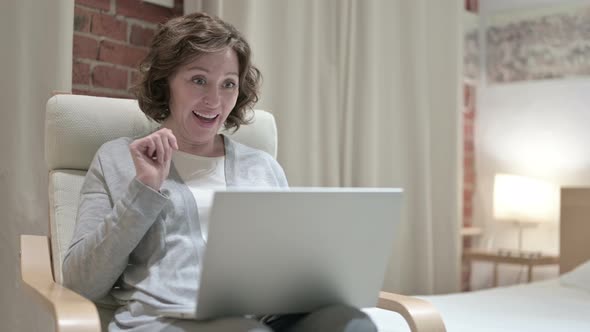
(76,126)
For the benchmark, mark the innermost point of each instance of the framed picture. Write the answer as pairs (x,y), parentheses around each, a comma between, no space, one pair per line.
(538,44)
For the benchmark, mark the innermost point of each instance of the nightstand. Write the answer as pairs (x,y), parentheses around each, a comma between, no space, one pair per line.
(509,257)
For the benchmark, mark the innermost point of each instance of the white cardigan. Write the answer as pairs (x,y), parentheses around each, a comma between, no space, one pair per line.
(144,247)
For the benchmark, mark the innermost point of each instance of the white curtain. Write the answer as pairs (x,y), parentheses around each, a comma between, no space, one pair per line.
(366,93)
(36,59)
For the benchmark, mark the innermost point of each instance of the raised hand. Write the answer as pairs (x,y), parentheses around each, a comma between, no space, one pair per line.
(152,155)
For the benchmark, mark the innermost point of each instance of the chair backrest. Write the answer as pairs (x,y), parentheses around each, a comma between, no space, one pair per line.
(76,126)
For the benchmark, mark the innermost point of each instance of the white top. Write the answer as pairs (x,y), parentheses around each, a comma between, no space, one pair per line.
(203,176)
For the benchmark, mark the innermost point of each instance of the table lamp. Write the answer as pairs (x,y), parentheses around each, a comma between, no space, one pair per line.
(525,201)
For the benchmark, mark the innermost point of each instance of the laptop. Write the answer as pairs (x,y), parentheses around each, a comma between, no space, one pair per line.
(295,250)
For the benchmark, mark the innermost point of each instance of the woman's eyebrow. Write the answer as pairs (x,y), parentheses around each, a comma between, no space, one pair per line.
(197,68)
(207,70)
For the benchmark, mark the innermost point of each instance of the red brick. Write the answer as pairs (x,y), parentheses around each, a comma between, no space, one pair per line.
(135,76)
(468,95)
(465,277)
(79,92)
(109,77)
(108,26)
(98,4)
(468,162)
(467,132)
(82,19)
(178,7)
(467,211)
(85,47)
(114,94)
(467,195)
(466,244)
(465,287)
(467,204)
(468,146)
(467,221)
(469,170)
(144,11)
(141,36)
(472,6)
(120,94)
(120,54)
(80,73)
(468,177)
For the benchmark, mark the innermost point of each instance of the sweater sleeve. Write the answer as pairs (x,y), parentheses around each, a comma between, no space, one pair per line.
(280,175)
(107,232)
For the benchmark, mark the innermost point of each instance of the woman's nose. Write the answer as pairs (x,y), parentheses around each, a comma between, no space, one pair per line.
(212,97)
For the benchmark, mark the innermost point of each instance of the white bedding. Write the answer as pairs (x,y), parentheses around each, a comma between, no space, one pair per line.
(540,306)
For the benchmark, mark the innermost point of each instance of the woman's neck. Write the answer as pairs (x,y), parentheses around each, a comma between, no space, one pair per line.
(215,148)
(210,148)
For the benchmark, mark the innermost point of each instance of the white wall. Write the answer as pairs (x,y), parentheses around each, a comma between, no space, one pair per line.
(535,128)
(35,59)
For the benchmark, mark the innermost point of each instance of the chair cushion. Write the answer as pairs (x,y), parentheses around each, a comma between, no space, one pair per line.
(76,126)
(64,193)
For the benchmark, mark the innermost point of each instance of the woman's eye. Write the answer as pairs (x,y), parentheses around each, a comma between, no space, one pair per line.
(199,81)
(229,85)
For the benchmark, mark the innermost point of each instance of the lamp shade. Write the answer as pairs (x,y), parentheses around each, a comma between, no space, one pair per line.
(525,200)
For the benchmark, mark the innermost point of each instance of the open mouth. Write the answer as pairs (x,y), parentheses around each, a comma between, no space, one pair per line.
(207,118)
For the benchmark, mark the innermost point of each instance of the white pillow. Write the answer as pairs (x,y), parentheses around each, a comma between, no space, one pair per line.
(578,277)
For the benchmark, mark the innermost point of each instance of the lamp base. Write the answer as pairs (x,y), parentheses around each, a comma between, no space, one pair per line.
(521,226)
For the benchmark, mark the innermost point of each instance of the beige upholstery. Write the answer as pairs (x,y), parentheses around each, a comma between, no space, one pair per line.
(64,189)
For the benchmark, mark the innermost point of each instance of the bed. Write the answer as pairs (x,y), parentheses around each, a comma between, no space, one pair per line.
(560,304)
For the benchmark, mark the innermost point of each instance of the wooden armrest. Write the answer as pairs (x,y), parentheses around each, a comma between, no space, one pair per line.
(420,315)
(71,311)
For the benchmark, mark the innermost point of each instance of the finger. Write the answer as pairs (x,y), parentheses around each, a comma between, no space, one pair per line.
(173,141)
(169,135)
(167,148)
(148,147)
(135,149)
(159,148)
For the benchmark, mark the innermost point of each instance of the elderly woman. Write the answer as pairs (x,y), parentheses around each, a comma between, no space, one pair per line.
(141,228)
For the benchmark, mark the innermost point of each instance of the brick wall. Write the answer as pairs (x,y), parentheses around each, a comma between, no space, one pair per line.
(472,6)
(469,182)
(111,37)
(468,153)
(469,179)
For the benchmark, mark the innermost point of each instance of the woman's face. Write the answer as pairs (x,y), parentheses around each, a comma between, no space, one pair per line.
(202,94)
